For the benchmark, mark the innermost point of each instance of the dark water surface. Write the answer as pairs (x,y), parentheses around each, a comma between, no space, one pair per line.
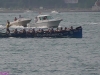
(54,56)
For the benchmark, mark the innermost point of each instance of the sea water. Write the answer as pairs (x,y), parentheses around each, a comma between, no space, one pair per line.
(53,56)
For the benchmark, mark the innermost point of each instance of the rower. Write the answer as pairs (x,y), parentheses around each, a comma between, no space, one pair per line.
(24,31)
(15,32)
(65,28)
(33,30)
(71,28)
(20,16)
(39,31)
(42,31)
(61,28)
(29,31)
(7,27)
(52,31)
(57,30)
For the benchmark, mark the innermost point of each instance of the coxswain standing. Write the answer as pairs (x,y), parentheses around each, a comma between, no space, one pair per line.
(7,27)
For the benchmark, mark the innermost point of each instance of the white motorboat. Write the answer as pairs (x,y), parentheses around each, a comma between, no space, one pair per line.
(47,21)
(21,22)
(96,6)
(54,12)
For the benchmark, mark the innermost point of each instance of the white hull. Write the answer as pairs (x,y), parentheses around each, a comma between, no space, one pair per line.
(55,12)
(20,22)
(49,23)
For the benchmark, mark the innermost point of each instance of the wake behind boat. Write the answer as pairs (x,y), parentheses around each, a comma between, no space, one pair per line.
(55,12)
(20,22)
(47,21)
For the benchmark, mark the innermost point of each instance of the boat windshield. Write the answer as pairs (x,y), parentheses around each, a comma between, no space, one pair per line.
(45,18)
(49,17)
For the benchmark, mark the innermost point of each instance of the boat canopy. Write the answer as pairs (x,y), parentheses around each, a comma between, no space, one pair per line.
(44,17)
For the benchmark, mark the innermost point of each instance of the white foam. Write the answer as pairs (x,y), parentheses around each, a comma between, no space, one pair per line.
(1,26)
(93,23)
(42,27)
(16,26)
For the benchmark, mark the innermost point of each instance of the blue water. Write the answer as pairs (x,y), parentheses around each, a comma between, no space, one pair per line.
(54,56)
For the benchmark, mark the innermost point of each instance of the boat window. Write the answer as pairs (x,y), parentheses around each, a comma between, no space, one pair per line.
(40,18)
(49,17)
(45,18)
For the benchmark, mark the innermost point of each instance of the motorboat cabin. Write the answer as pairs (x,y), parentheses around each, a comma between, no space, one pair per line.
(47,20)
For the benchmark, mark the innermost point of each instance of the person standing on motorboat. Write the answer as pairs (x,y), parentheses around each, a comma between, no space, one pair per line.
(7,27)
(36,19)
(15,19)
(20,16)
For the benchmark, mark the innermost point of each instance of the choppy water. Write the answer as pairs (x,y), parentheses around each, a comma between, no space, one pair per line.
(54,56)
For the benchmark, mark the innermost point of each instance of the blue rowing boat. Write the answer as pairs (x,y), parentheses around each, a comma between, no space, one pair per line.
(72,33)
